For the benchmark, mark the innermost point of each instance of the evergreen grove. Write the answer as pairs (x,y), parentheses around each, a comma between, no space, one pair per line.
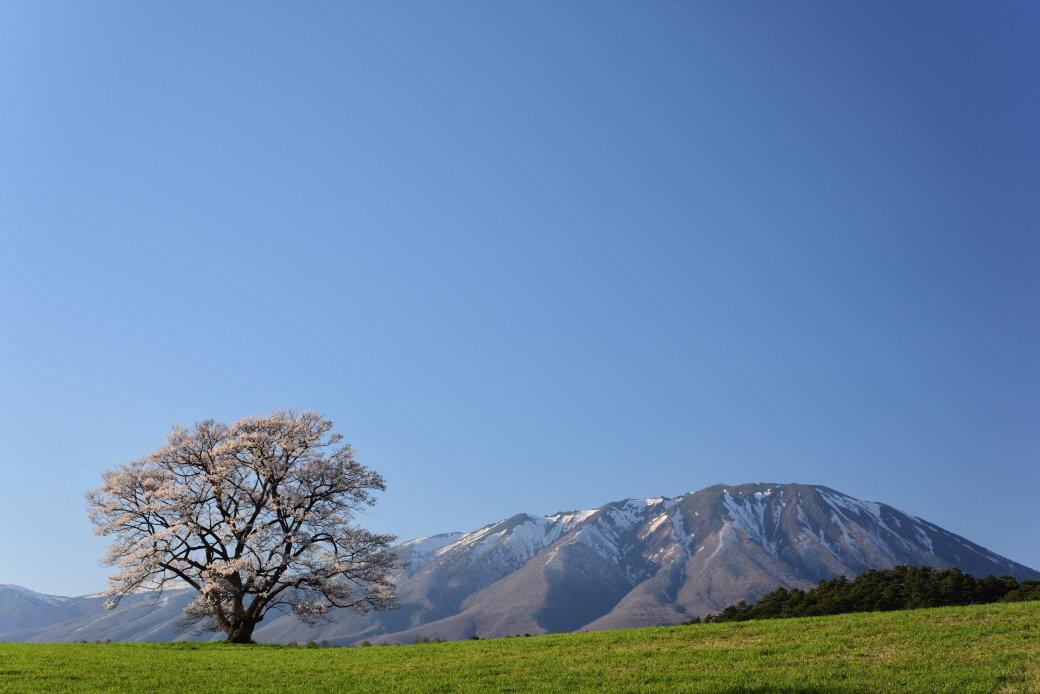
(899,588)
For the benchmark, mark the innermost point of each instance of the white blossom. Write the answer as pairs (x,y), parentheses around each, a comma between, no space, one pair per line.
(254,516)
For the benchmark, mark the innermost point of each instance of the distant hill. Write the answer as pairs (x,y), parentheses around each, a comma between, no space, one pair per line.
(631,563)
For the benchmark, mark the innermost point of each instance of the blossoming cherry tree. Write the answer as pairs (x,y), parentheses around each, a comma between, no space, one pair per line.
(255,516)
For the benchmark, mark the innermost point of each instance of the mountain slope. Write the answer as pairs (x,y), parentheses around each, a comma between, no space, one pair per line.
(650,561)
(631,563)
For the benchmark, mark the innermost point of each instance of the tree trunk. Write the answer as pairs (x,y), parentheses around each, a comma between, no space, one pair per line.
(241,632)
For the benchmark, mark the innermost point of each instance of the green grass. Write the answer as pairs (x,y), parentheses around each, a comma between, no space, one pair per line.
(987,648)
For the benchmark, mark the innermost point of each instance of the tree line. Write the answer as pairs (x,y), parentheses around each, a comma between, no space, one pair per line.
(899,588)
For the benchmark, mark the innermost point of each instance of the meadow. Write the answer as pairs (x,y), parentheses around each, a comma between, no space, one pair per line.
(983,648)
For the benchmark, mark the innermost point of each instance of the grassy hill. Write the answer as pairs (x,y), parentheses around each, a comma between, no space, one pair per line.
(986,648)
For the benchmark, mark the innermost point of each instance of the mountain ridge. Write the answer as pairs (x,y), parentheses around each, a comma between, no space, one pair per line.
(628,563)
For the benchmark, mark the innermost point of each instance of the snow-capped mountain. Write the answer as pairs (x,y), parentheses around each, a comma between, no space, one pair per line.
(631,563)
(26,615)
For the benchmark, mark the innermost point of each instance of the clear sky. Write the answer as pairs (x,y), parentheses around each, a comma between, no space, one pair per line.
(527,256)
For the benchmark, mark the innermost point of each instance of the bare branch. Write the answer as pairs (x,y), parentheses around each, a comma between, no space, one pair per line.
(254,516)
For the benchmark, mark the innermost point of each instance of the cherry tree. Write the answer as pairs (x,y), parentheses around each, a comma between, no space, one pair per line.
(255,516)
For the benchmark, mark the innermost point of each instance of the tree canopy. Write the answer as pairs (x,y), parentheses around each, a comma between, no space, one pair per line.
(255,516)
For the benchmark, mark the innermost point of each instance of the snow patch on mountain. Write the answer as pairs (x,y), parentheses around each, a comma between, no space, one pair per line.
(484,544)
(568,519)
(850,543)
(532,537)
(594,538)
(922,537)
(56,600)
(606,535)
(654,525)
(749,514)
(868,520)
(630,512)
(778,510)
(854,510)
(516,540)
(684,541)
(425,548)
(727,527)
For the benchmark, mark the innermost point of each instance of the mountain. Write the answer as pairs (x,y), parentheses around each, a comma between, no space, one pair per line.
(631,563)
(23,612)
(26,615)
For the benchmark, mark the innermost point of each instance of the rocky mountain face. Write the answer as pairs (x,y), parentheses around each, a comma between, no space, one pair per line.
(632,563)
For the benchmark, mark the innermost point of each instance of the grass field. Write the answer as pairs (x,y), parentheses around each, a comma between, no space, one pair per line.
(989,648)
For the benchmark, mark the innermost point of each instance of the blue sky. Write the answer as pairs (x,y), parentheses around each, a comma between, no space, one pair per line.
(527,256)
